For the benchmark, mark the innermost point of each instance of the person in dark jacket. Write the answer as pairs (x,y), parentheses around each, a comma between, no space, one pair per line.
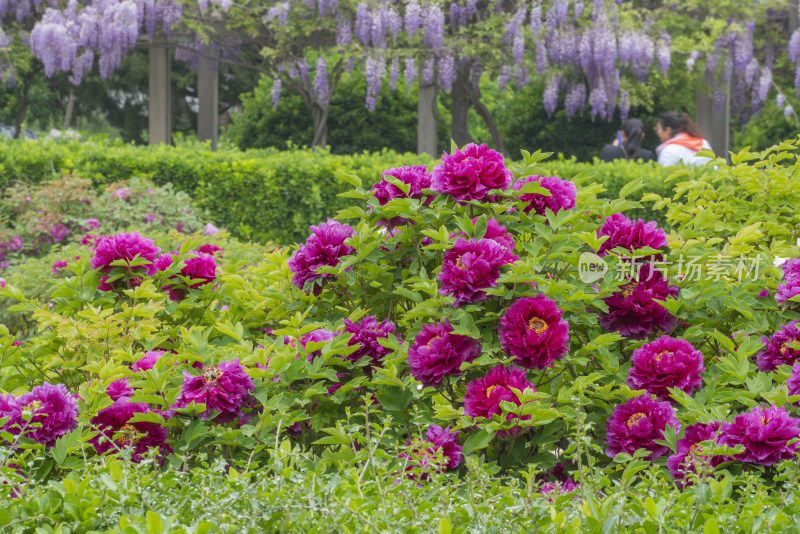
(628,145)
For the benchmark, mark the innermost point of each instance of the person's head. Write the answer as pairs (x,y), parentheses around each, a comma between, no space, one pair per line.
(671,123)
(632,136)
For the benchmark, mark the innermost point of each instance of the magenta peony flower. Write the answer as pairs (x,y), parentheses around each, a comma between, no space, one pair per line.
(497,233)
(470,174)
(776,351)
(568,486)
(630,234)
(686,459)
(533,332)
(484,395)
(211,229)
(563,193)
(666,363)
(325,246)
(15,243)
(119,389)
(793,382)
(791,277)
(765,434)
(148,360)
(224,388)
(91,224)
(421,453)
(210,249)
(116,432)
(89,240)
(470,267)
(201,267)
(437,352)
(636,424)
(122,192)
(45,414)
(57,266)
(320,335)
(366,333)
(415,176)
(123,247)
(59,232)
(633,312)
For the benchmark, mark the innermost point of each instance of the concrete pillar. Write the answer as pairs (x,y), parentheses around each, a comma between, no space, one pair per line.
(208,96)
(427,119)
(159,98)
(714,124)
(793,15)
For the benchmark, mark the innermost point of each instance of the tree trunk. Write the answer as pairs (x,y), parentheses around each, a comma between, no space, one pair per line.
(427,137)
(319,115)
(460,94)
(497,137)
(70,110)
(27,81)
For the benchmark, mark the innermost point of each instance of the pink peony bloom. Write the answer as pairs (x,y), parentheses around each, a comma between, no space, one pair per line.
(416,177)
(632,235)
(89,240)
(2,283)
(15,243)
(553,488)
(210,249)
(117,432)
(437,352)
(484,395)
(666,363)
(793,382)
(765,434)
(633,312)
(366,333)
(791,277)
(148,219)
(59,232)
(57,266)
(325,246)
(687,459)
(124,247)
(224,388)
(148,360)
(562,194)
(470,267)
(320,335)
(636,425)
(211,229)
(533,332)
(470,174)
(497,233)
(776,352)
(43,415)
(201,267)
(91,224)
(119,389)
(421,453)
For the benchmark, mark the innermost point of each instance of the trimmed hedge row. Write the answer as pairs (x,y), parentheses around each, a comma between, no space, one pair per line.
(265,194)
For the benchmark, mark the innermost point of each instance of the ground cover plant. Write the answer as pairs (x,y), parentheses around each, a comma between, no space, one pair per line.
(463,348)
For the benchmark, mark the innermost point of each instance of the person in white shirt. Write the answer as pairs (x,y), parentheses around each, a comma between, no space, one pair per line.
(681,140)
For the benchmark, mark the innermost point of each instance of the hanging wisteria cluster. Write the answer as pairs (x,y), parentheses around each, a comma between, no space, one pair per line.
(68,39)
(585,50)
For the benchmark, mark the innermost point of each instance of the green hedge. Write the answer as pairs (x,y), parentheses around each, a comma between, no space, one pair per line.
(266,194)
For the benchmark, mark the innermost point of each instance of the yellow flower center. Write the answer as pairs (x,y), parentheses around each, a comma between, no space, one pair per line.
(662,354)
(537,324)
(489,390)
(431,341)
(696,448)
(460,264)
(211,374)
(783,349)
(129,435)
(627,289)
(635,418)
